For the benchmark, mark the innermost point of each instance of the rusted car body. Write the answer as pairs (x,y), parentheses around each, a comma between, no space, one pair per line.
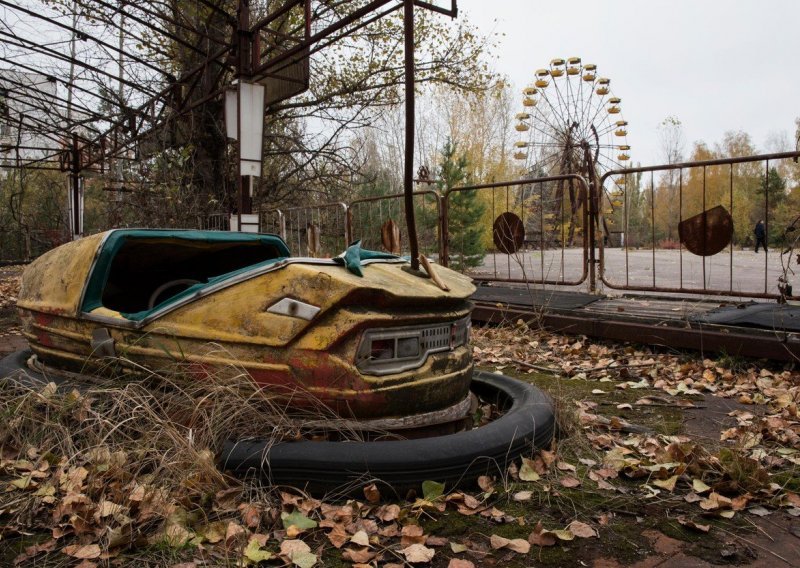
(388,343)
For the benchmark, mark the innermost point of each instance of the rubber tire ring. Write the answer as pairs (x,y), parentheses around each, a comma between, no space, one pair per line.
(455,459)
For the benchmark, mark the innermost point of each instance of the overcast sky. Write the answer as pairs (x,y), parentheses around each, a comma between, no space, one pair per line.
(716,65)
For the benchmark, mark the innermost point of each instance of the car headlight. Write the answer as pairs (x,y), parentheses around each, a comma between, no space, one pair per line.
(393,350)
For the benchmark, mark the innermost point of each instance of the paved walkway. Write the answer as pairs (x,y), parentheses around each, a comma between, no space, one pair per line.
(737,272)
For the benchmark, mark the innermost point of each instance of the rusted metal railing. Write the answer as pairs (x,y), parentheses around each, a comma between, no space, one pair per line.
(368,216)
(555,248)
(315,230)
(722,197)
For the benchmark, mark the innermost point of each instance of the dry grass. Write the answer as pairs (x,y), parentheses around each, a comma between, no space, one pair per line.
(132,459)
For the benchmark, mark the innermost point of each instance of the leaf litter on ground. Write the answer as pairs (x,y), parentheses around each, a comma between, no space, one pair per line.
(94,507)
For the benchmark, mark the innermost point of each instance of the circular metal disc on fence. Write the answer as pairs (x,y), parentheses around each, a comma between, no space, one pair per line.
(707,233)
(508,233)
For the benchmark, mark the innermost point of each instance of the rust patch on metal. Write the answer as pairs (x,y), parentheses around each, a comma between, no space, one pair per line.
(508,232)
(708,232)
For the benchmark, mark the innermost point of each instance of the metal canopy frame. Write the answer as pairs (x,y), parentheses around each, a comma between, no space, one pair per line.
(115,136)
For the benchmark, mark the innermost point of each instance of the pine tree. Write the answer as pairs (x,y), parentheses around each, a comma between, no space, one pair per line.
(464,210)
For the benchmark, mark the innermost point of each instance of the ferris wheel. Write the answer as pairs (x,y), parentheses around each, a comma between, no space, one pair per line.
(572,123)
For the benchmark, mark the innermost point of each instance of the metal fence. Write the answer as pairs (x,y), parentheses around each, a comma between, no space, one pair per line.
(315,231)
(373,219)
(690,227)
(530,231)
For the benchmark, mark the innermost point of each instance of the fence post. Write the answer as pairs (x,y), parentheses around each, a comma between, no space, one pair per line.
(348,224)
(444,231)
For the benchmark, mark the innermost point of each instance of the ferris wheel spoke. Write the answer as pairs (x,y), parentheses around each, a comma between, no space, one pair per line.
(563,102)
(554,110)
(549,130)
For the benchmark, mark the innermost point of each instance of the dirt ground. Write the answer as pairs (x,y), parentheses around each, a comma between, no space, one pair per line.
(641,533)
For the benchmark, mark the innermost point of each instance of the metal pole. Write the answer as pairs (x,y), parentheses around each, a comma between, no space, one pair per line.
(72,62)
(594,192)
(74,182)
(408,173)
(243,71)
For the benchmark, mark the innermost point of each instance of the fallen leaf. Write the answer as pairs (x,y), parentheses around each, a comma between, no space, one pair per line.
(232,531)
(254,552)
(522,496)
(668,484)
(358,555)
(563,534)
(581,530)
(486,483)
(360,538)
(83,550)
(435,541)
(303,559)
(417,553)
(411,534)
(527,471)
(564,466)
(293,546)
(338,536)
(569,481)
(459,563)
(251,514)
(540,537)
(372,494)
(388,513)
(432,490)
(297,519)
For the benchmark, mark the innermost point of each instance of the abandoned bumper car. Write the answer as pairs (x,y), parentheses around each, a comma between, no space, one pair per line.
(381,345)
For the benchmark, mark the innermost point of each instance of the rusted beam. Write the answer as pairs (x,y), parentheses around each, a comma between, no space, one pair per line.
(408,165)
(742,342)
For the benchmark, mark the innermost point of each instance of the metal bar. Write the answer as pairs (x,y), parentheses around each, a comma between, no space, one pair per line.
(563,240)
(75,170)
(703,339)
(408,165)
(541,230)
(705,226)
(508,256)
(701,163)
(453,12)
(766,224)
(730,264)
(653,224)
(680,218)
